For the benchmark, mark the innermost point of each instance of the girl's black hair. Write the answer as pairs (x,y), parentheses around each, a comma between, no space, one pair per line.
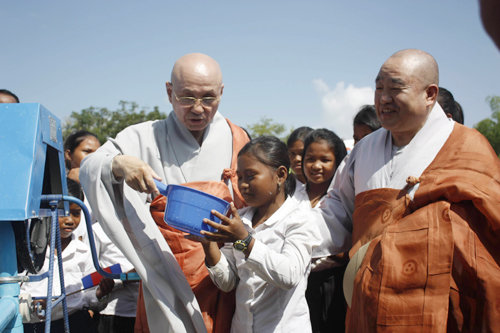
(273,152)
(9,93)
(298,134)
(74,140)
(367,116)
(332,140)
(74,189)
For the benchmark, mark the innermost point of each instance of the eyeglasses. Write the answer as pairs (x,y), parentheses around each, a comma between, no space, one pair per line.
(192,101)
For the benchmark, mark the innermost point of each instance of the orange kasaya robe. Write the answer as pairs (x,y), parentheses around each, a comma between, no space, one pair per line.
(433,264)
(217,307)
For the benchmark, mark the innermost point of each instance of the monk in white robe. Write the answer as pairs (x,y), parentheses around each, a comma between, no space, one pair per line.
(194,144)
(420,199)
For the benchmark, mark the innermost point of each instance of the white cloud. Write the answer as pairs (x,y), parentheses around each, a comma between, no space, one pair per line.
(341,104)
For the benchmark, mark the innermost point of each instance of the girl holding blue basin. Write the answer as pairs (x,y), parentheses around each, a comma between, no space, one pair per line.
(268,245)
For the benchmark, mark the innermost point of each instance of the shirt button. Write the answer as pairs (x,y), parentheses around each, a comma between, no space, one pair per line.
(410,267)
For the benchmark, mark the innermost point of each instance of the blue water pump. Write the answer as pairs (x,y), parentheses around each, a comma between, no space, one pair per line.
(32,186)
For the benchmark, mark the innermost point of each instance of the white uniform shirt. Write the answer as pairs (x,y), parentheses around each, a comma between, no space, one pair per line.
(77,263)
(122,300)
(271,282)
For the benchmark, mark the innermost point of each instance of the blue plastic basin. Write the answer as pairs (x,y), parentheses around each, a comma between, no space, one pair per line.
(186,208)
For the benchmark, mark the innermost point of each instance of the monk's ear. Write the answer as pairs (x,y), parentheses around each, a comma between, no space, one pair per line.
(169,90)
(221,88)
(431,94)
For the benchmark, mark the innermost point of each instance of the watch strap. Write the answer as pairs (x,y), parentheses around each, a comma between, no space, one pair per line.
(242,244)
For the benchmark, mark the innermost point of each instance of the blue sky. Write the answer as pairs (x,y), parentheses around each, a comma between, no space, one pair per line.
(298,62)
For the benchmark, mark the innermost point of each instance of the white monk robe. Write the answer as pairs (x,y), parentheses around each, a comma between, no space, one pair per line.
(375,163)
(174,154)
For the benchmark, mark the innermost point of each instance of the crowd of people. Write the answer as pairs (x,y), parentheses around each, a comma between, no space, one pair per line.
(399,234)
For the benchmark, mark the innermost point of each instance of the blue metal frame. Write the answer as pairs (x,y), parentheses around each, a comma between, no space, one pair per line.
(10,319)
(31,145)
(95,260)
(28,132)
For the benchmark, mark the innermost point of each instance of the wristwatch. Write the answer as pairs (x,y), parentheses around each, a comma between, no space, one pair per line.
(242,244)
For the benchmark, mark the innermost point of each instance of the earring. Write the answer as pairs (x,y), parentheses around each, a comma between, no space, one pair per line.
(279,187)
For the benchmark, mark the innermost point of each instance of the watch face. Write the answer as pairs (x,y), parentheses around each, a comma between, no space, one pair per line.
(239,245)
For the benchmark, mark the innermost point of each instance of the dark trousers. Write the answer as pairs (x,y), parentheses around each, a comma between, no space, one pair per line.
(325,297)
(115,324)
(79,322)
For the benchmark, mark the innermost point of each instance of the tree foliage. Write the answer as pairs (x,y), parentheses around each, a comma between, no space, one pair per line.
(490,127)
(107,123)
(266,126)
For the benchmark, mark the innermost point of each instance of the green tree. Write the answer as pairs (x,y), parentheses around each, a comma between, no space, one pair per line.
(490,127)
(266,126)
(107,123)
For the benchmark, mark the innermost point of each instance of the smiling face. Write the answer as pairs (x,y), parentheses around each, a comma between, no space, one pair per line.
(404,95)
(295,154)
(319,162)
(88,145)
(257,182)
(68,224)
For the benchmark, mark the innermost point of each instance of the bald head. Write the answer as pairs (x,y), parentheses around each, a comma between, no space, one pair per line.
(195,91)
(196,64)
(417,64)
(407,88)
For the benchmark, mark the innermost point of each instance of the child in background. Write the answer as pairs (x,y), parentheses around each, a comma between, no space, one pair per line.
(295,144)
(76,147)
(119,314)
(323,152)
(77,263)
(365,122)
(268,245)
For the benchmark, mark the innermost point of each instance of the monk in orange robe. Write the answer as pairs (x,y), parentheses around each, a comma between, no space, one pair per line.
(420,199)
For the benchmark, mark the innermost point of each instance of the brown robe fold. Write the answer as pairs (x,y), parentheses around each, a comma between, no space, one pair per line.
(433,264)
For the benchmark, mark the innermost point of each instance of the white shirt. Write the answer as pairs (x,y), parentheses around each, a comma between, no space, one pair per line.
(271,282)
(122,300)
(77,263)
(322,252)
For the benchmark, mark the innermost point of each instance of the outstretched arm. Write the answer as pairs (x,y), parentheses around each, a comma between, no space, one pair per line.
(135,172)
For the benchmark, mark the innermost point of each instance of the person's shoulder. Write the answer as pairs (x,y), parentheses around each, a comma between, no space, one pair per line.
(238,132)
(139,127)
(472,140)
(141,130)
(298,210)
